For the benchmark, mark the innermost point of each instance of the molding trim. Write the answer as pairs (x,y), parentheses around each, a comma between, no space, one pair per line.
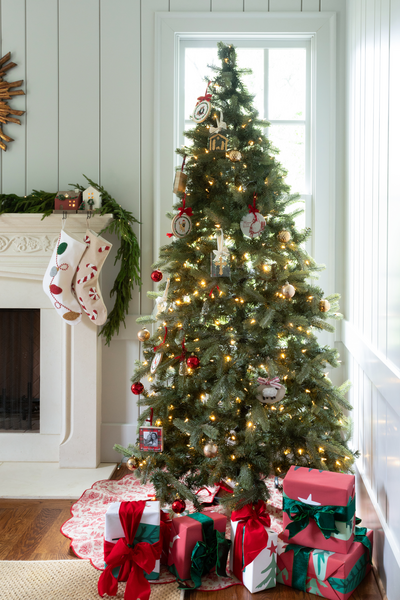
(387,531)
(381,372)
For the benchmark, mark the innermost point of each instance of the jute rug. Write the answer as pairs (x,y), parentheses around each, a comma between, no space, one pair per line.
(63,580)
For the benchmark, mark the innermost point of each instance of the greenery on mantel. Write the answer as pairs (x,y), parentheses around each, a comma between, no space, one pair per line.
(128,253)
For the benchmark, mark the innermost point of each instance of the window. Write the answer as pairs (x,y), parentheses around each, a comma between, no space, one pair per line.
(280,82)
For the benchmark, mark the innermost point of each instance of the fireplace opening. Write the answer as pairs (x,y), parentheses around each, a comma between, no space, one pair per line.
(19,370)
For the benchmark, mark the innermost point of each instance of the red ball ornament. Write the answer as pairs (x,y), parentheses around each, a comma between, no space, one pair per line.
(156,276)
(137,388)
(178,506)
(193,362)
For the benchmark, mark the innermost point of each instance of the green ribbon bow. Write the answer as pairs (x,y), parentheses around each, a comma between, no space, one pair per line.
(324,516)
(212,551)
(360,535)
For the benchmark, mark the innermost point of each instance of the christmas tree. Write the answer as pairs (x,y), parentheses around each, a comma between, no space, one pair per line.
(236,375)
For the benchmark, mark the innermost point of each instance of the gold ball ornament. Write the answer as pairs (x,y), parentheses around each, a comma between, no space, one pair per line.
(234,155)
(284,236)
(324,305)
(210,450)
(132,463)
(288,291)
(143,335)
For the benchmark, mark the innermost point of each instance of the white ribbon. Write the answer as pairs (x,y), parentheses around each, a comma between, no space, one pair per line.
(274,382)
(220,124)
(222,251)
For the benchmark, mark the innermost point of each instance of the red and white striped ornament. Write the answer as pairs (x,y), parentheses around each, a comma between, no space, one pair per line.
(94,315)
(91,316)
(91,266)
(104,248)
(86,239)
(93,294)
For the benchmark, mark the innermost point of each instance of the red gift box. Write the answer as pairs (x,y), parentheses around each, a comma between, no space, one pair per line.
(185,533)
(328,574)
(315,503)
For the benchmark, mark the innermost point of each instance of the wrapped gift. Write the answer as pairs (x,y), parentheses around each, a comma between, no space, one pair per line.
(328,574)
(253,558)
(132,548)
(197,545)
(319,509)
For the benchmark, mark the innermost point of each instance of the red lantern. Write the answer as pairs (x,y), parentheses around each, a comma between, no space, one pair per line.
(156,276)
(193,362)
(178,506)
(137,388)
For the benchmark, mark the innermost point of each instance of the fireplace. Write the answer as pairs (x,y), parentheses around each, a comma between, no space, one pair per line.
(19,369)
(66,384)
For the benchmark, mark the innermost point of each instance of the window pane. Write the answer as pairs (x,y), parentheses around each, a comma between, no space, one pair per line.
(253,58)
(290,141)
(196,61)
(287,83)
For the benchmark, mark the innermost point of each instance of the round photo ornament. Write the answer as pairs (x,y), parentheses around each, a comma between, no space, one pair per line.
(203,107)
(181,224)
(252,224)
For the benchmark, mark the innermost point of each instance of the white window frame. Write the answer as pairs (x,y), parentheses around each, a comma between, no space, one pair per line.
(266,43)
(320,28)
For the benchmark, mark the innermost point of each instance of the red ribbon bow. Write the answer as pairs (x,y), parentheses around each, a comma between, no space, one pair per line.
(132,561)
(183,355)
(212,289)
(206,97)
(253,519)
(183,210)
(253,209)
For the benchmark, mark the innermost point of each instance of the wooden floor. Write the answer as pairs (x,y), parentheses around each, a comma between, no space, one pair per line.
(30,530)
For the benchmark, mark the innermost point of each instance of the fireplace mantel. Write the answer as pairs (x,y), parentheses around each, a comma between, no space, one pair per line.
(27,240)
(70,356)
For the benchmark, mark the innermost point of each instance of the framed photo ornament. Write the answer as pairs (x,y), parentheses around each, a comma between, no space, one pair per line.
(151,439)
(181,225)
(201,111)
(156,361)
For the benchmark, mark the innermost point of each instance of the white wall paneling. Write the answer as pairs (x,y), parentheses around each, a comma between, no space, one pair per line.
(227,5)
(283,5)
(42,95)
(13,40)
(79,81)
(371,332)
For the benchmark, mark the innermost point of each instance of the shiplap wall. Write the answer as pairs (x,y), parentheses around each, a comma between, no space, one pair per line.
(371,331)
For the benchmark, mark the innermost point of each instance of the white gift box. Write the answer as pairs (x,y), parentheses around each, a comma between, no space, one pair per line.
(261,573)
(113,528)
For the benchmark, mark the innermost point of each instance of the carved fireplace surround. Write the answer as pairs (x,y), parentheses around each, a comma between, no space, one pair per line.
(70,357)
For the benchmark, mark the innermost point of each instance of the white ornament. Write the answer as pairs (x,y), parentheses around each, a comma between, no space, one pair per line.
(252,225)
(221,257)
(201,111)
(181,225)
(220,124)
(161,302)
(156,361)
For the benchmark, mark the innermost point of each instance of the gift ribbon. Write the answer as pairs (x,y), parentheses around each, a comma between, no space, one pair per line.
(324,516)
(250,536)
(220,124)
(129,557)
(222,251)
(274,382)
(164,296)
(183,209)
(163,342)
(301,559)
(165,529)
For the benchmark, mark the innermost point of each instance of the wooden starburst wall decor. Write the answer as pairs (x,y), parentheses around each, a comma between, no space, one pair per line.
(7,91)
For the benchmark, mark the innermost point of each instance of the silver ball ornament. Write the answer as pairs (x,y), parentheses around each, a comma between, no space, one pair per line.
(210,450)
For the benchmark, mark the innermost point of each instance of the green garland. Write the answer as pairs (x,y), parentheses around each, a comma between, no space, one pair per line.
(128,253)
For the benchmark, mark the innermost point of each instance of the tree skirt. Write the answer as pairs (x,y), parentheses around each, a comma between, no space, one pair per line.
(86,526)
